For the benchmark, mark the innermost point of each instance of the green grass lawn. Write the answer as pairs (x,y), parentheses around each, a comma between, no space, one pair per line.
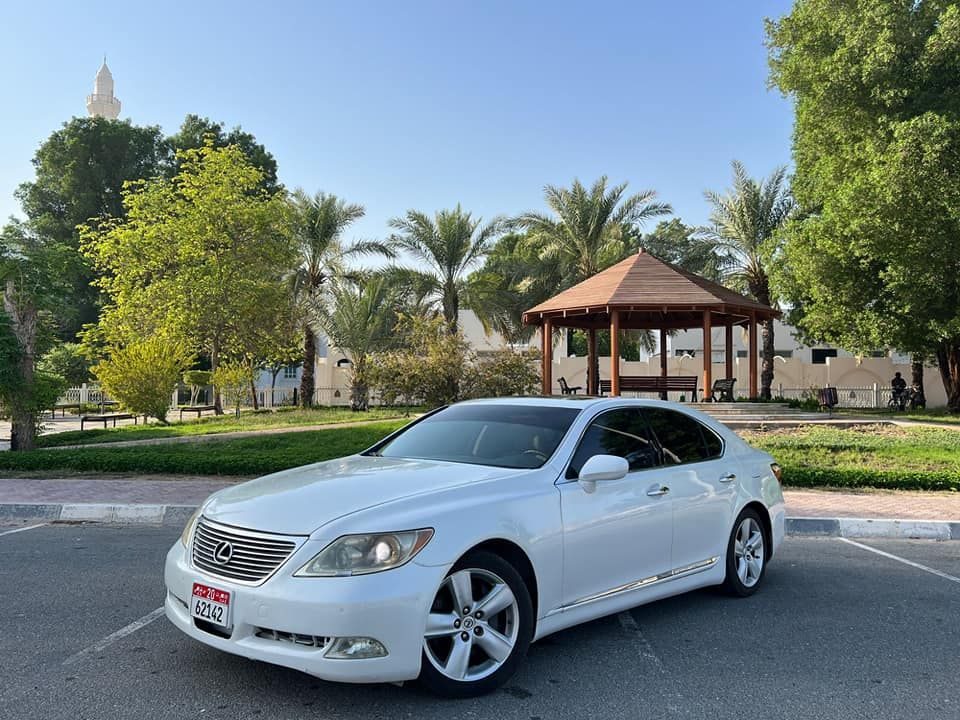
(246,456)
(210,425)
(880,456)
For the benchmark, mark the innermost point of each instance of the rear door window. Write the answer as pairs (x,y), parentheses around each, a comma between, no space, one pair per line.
(623,433)
(681,438)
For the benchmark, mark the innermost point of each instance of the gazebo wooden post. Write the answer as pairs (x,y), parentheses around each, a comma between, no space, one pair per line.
(728,349)
(547,368)
(707,356)
(615,353)
(593,383)
(663,358)
(753,355)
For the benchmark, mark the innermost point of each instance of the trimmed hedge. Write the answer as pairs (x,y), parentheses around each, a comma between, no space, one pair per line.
(800,476)
(247,456)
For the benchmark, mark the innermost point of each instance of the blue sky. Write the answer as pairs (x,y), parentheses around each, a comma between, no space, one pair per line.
(401,105)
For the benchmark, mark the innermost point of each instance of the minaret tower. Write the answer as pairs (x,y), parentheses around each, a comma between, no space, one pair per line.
(102,103)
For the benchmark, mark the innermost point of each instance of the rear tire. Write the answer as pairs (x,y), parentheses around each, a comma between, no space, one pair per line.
(478,629)
(746,555)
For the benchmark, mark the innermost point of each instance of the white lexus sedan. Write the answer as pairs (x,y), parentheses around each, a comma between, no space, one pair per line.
(444,550)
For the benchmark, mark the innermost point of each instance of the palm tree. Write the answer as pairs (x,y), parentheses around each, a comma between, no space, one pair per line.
(320,222)
(448,245)
(744,225)
(590,230)
(359,316)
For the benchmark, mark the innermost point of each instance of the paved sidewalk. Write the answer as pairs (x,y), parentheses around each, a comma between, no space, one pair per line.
(899,504)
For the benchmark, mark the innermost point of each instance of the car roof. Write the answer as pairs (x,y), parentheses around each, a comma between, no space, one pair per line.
(578,402)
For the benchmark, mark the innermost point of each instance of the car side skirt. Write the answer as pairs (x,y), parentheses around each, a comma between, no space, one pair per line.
(703,574)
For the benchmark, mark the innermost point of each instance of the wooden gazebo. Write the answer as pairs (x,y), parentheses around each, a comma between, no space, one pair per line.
(645,293)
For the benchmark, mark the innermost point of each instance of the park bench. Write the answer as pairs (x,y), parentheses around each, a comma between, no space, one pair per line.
(63,407)
(827,398)
(566,389)
(198,409)
(723,390)
(106,417)
(655,383)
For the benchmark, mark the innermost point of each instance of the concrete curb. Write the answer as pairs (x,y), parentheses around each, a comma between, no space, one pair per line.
(873,528)
(121,514)
(176,515)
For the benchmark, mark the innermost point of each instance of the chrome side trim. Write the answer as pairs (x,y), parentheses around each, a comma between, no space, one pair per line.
(692,569)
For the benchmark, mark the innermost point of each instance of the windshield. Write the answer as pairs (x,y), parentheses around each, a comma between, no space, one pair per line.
(512,436)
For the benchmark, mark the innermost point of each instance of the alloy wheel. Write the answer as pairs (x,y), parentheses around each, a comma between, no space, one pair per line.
(473,625)
(749,552)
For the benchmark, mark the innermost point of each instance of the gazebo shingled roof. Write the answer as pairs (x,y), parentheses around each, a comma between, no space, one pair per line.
(644,292)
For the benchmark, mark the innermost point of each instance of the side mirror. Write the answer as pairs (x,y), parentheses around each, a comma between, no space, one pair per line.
(600,468)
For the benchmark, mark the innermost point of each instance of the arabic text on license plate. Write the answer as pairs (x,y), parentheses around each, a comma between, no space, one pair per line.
(210,604)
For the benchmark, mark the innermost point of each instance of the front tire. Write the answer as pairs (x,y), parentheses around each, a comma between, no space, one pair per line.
(478,629)
(746,555)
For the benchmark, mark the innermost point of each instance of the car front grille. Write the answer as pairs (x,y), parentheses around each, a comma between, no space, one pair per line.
(245,556)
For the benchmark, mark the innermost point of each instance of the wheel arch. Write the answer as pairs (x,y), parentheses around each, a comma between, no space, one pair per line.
(765,524)
(516,556)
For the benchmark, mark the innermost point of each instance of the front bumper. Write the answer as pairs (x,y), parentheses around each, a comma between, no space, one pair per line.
(390,607)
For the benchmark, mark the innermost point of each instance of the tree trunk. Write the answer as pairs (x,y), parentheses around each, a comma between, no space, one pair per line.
(948,360)
(766,366)
(214,364)
(916,380)
(359,392)
(253,391)
(23,414)
(309,360)
(761,291)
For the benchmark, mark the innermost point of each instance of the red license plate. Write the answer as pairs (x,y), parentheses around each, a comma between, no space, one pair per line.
(210,604)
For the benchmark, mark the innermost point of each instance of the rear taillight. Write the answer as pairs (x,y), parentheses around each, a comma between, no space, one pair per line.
(777,471)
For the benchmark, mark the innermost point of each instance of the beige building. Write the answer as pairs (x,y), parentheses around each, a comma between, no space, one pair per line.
(103,103)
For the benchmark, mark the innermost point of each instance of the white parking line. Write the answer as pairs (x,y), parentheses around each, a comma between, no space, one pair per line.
(113,637)
(23,529)
(643,646)
(930,570)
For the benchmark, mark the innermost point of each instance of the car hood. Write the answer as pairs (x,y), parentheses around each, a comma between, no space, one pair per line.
(298,501)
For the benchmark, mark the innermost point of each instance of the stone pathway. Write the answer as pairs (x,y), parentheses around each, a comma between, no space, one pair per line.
(892,504)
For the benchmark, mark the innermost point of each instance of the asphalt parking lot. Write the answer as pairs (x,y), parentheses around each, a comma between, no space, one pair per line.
(838,631)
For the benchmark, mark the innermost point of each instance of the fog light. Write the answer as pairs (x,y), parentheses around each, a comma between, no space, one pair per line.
(355,648)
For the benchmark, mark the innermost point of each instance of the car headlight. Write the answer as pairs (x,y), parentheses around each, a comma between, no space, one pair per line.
(365,554)
(188,529)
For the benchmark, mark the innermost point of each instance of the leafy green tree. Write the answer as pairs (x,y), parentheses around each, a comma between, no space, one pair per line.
(199,258)
(872,260)
(504,373)
(32,281)
(589,229)
(80,173)
(196,132)
(68,361)
(430,368)
(233,380)
(448,245)
(683,246)
(359,318)
(197,380)
(143,375)
(745,224)
(320,222)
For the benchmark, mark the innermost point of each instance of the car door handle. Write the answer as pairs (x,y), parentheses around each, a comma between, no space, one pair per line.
(658,490)
(728,478)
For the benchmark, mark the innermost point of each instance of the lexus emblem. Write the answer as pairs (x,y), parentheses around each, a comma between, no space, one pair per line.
(222,553)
